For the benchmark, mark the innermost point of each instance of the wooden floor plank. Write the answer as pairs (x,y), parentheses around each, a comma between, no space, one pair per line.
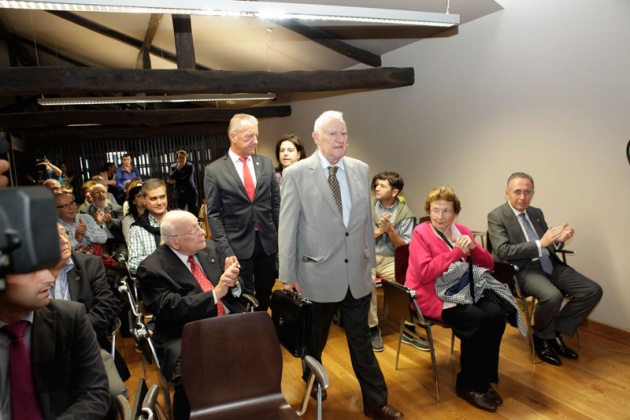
(596,386)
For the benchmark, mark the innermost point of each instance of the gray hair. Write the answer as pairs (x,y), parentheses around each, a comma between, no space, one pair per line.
(171,221)
(520,175)
(326,117)
(237,121)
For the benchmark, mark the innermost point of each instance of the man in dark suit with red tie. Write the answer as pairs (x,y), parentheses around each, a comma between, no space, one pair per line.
(243,203)
(50,361)
(186,279)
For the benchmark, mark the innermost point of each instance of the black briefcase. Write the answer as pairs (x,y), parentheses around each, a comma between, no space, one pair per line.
(292,316)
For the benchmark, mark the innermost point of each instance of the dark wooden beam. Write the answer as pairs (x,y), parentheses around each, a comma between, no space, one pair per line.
(184,46)
(17,53)
(69,81)
(118,36)
(144,59)
(331,42)
(27,120)
(52,51)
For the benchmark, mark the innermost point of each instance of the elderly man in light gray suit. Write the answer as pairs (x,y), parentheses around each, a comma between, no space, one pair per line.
(327,250)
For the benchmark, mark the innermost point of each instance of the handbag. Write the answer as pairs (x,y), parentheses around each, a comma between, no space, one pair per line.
(293,319)
(508,310)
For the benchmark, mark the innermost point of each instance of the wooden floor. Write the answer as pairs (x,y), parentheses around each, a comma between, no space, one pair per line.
(597,386)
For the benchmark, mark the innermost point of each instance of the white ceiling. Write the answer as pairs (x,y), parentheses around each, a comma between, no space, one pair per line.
(224,43)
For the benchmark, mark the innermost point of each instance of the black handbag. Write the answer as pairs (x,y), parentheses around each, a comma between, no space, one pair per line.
(293,318)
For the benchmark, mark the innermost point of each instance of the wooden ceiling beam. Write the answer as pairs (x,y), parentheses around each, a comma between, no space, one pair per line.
(144,59)
(331,42)
(41,119)
(118,36)
(51,51)
(69,81)
(184,47)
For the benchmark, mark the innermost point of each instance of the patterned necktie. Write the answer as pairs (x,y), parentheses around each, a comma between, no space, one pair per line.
(203,281)
(247,180)
(24,403)
(333,182)
(545,261)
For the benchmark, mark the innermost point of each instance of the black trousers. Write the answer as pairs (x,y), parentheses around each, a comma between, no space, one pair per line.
(259,274)
(480,328)
(354,313)
(188,202)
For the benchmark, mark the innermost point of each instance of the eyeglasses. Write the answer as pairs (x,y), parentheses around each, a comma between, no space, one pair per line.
(197,231)
(67,206)
(445,212)
(65,234)
(517,193)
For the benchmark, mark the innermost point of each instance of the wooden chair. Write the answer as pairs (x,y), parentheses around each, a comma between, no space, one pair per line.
(232,368)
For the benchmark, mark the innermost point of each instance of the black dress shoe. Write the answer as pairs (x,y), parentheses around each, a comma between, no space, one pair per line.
(385,412)
(545,352)
(314,393)
(477,399)
(557,344)
(494,396)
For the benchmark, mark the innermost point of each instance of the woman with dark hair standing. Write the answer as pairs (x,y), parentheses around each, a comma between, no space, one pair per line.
(289,149)
(135,201)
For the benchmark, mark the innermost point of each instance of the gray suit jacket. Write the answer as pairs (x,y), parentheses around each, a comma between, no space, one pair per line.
(232,216)
(508,240)
(316,249)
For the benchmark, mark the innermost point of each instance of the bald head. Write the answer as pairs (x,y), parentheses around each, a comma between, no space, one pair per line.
(53,185)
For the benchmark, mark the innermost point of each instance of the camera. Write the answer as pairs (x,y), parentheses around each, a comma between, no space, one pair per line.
(29,240)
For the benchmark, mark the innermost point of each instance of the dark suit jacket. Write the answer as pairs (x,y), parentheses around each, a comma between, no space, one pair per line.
(509,243)
(232,216)
(69,376)
(184,180)
(175,298)
(88,285)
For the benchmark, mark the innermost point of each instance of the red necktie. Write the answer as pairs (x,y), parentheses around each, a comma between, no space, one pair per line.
(24,403)
(203,281)
(247,180)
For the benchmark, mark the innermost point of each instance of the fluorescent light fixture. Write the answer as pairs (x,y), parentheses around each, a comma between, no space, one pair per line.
(112,100)
(252,9)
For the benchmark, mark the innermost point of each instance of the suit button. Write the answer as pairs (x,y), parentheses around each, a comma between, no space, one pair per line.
(347,234)
(346,260)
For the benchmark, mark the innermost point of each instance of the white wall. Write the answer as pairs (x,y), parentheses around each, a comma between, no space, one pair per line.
(541,87)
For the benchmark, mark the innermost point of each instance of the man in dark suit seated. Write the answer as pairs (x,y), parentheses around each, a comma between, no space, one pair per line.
(81,278)
(519,234)
(185,280)
(55,369)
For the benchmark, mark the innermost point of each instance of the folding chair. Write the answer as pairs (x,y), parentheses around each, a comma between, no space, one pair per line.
(399,301)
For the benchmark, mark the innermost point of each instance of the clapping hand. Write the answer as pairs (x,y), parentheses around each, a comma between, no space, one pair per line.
(465,243)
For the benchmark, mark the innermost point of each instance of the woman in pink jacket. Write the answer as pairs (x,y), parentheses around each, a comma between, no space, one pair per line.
(435,245)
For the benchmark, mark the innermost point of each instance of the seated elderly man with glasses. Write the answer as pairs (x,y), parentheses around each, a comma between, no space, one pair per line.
(184,280)
(82,229)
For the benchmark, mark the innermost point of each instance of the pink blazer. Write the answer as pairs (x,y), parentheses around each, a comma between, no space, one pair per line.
(429,257)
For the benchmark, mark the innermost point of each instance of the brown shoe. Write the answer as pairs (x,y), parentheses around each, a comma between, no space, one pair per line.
(385,412)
